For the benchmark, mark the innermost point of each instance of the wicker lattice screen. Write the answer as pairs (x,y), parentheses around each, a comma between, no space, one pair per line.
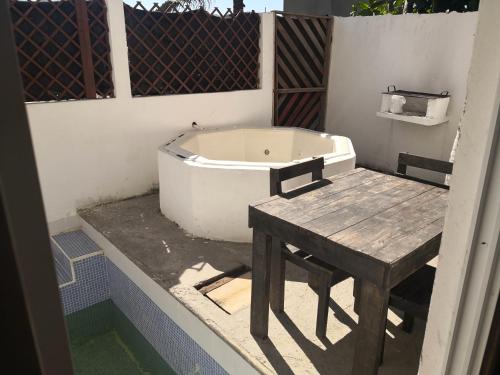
(191,51)
(63,49)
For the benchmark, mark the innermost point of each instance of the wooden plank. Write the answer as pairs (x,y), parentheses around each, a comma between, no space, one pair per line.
(417,179)
(351,211)
(276,72)
(234,295)
(378,231)
(414,251)
(85,48)
(326,71)
(310,205)
(421,162)
(261,268)
(373,189)
(332,213)
(214,282)
(405,245)
(355,263)
(294,90)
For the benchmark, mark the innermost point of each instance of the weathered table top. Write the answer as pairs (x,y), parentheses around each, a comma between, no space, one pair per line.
(375,226)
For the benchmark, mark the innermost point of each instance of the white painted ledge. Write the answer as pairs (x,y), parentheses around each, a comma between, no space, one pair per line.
(419,120)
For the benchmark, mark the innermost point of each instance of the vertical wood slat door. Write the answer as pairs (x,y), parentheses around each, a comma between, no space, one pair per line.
(301,66)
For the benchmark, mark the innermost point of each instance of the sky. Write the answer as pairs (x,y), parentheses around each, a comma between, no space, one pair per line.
(257,5)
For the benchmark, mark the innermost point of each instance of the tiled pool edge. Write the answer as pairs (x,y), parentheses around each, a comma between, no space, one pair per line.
(90,285)
(193,328)
(179,350)
(98,279)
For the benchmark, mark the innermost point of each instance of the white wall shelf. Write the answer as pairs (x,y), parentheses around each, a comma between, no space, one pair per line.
(414,107)
(420,120)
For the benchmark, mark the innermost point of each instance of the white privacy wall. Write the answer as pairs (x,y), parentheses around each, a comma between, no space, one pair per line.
(92,151)
(429,53)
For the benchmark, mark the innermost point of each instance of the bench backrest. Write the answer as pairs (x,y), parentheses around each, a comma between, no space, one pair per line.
(408,160)
(278,175)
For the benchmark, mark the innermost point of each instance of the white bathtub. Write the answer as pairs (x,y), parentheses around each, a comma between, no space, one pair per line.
(208,177)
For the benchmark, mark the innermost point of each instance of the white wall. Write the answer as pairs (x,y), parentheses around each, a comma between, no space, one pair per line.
(468,279)
(92,151)
(99,150)
(428,53)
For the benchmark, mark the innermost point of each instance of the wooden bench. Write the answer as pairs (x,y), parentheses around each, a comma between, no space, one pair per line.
(413,295)
(321,276)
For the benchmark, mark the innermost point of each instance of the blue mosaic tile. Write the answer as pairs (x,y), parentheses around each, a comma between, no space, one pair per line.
(175,346)
(62,264)
(76,244)
(63,277)
(90,287)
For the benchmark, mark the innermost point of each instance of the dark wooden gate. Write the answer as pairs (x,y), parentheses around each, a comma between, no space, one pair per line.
(301,64)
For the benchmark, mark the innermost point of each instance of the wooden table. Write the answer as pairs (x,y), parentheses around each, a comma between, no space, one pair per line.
(378,228)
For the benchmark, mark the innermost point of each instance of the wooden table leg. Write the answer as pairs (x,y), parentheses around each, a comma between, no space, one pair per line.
(278,268)
(371,329)
(261,267)
(356,292)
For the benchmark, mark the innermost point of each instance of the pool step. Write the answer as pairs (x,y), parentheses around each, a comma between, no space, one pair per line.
(68,249)
(63,265)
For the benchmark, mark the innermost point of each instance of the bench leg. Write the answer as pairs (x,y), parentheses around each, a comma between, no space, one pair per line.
(278,268)
(382,349)
(323,303)
(408,321)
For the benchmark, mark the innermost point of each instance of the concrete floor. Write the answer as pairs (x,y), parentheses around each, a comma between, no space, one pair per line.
(178,261)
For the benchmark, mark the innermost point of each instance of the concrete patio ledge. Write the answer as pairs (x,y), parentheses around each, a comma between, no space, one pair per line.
(166,263)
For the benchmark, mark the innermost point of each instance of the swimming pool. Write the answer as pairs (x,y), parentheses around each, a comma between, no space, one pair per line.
(104,342)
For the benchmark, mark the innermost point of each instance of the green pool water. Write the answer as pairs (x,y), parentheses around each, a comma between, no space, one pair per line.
(103,341)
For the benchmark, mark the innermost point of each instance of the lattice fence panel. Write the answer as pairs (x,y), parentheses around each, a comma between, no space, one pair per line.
(302,56)
(51,52)
(99,42)
(301,109)
(301,51)
(191,51)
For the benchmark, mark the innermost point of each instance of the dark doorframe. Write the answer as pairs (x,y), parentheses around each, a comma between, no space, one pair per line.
(34,339)
(491,358)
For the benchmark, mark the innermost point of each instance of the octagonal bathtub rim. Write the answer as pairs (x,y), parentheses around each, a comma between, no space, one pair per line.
(209,198)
